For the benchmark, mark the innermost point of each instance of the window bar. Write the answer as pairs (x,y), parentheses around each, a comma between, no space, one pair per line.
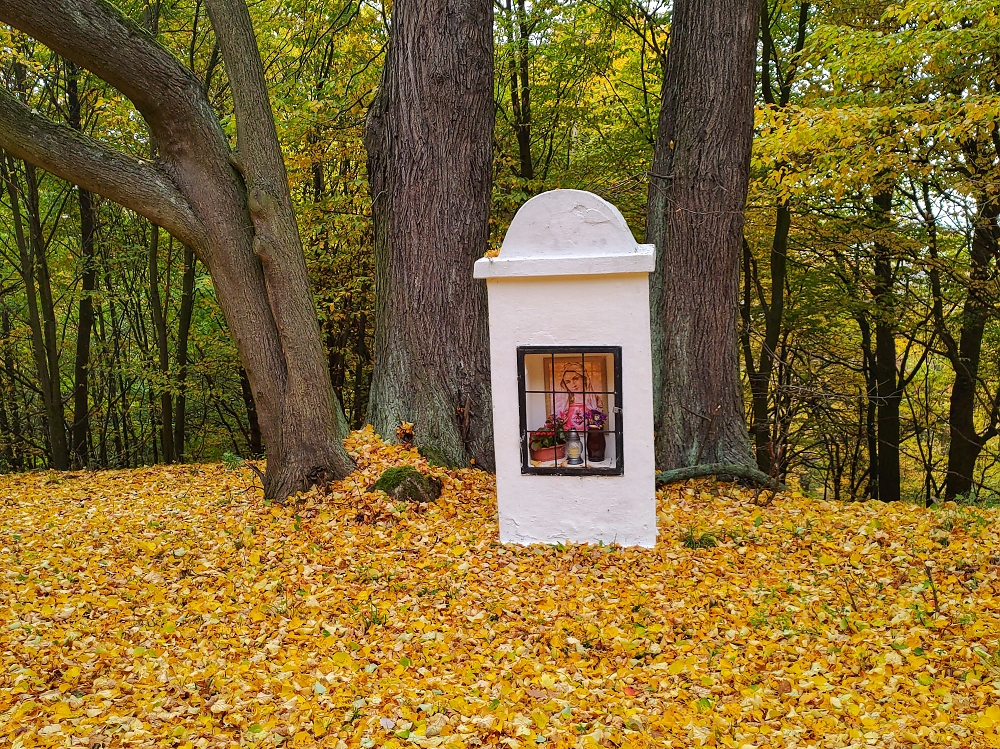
(583,437)
(552,390)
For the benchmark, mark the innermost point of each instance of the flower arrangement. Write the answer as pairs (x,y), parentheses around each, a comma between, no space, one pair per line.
(595,418)
(552,433)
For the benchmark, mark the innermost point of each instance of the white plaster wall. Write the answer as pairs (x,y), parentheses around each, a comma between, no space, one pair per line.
(591,310)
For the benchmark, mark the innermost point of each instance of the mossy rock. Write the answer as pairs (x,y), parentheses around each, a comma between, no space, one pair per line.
(407,484)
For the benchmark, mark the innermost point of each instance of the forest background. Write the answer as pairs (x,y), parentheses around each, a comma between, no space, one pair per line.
(868,321)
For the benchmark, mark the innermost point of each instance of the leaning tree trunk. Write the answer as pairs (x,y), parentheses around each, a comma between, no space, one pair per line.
(233,210)
(429,137)
(697,192)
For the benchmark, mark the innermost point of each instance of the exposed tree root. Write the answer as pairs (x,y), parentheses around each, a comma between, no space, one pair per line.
(747,473)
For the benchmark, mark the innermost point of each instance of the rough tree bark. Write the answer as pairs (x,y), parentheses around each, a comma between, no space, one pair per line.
(429,137)
(233,210)
(697,191)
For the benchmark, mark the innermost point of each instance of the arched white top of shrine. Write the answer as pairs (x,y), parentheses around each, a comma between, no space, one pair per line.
(568,232)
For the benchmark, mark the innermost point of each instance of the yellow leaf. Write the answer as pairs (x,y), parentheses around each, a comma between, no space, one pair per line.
(61,711)
(540,718)
(988,719)
(342,658)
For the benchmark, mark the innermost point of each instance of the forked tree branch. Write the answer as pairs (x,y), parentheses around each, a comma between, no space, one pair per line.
(128,180)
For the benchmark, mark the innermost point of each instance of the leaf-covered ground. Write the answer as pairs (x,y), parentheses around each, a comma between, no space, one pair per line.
(172,607)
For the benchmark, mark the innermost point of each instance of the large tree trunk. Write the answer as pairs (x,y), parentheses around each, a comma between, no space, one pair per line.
(697,192)
(311,422)
(234,211)
(429,137)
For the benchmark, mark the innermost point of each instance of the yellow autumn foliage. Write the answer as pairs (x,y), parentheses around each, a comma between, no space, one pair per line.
(172,607)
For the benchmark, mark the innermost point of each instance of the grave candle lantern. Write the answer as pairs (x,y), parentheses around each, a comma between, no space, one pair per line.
(574,449)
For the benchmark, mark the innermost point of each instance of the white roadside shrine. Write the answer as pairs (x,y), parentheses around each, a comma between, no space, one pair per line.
(572,374)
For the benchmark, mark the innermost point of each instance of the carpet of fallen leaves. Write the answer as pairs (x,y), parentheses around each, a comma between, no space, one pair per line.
(173,607)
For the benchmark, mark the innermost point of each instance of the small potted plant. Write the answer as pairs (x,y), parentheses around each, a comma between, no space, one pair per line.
(549,442)
(596,441)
